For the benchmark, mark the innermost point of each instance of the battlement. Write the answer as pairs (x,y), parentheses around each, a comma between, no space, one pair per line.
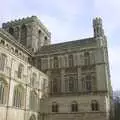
(29,31)
(25,21)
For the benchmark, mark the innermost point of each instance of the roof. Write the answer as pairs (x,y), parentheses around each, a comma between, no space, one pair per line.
(66,45)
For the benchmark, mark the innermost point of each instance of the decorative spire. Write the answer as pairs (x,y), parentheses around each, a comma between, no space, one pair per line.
(97,26)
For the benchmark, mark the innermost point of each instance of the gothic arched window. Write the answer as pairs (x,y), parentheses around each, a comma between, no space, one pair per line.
(45,40)
(32,117)
(3,60)
(54,86)
(33,79)
(86,58)
(74,106)
(17,30)
(56,64)
(94,105)
(18,100)
(39,38)
(33,101)
(3,91)
(11,31)
(55,107)
(88,83)
(24,35)
(94,83)
(70,58)
(20,70)
(39,34)
(71,84)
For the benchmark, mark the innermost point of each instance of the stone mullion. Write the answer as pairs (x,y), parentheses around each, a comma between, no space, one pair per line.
(5,94)
(79,79)
(48,62)
(42,39)
(16,97)
(75,59)
(62,80)
(21,98)
(75,82)
(2,95)
(66,61)
(14,102)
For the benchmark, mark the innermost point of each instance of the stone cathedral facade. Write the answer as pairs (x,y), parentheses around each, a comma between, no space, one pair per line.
(44,81)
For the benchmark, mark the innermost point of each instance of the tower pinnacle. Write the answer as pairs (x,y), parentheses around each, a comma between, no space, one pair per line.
(98,28)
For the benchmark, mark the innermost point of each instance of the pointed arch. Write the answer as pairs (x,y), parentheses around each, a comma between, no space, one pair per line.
(23,35)
(70,58)
(87,58)
(39,34)
(33,103)
(11,30)
(33,79)
(88,83)
(56,63)
(18,100)
(3,61)
(20,70)
(71,84)
(54,85)
(17,33)
(45,40)
(32,117)
(3,90)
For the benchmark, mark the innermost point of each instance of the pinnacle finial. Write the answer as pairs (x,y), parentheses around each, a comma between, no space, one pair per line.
(98,28)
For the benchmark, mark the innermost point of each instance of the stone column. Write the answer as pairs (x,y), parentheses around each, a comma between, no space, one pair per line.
(62,81)
(79,80)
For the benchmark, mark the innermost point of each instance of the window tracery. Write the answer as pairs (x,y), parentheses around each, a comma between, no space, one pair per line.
(70,57)
(56,64)
(3,91)
(23,35)
(11,31)
(3,61)
(17,30)
(32,117)
(87,58)
(20,70)
(18,100)
(33,79)
(33,101)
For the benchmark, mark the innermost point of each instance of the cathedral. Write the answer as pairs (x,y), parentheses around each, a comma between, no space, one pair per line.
(44,81)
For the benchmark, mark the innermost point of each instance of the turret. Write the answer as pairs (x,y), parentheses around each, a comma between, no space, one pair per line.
(97,26)
(30,32)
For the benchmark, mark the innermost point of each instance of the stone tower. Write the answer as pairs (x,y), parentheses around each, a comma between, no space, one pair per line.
(30,32)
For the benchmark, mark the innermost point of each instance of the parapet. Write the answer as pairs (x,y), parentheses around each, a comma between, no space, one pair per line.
(25,21)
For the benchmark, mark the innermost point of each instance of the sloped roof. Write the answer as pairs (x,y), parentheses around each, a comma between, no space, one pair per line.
(66,45)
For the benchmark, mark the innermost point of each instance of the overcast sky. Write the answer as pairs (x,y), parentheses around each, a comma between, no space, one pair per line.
(72,19)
